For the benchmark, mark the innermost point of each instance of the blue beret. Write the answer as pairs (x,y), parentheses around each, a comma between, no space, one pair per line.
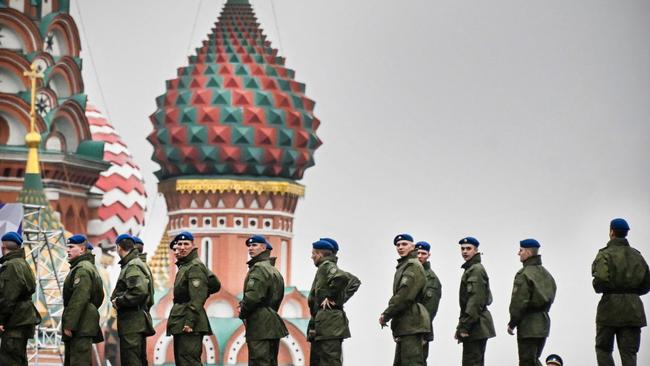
(529,243)
(469,240)
(259,239)
(123,237)
(423,245)
(12,236)
(77,239)
(555,359)
(137,240)
(335,245)
(619,224)
(184,235)
(89,245)
(322,244)
(402,237)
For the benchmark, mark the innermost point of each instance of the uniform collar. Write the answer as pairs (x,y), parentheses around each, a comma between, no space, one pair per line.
(404,259)
(264,256)
(618,242)
(535,260)
(475,259)
(84,257)
(143,257)
(193,255)
(329,258)
(18,253)
(131,255)
(427,265)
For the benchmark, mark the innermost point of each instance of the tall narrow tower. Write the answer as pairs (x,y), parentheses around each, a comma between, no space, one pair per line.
(232,134)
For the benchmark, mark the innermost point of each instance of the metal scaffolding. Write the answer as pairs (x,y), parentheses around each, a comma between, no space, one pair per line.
(46,249)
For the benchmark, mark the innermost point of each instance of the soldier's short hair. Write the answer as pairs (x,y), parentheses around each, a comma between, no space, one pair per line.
(10,245)
(324,252)
(126,244)
(620,233)
(534,251)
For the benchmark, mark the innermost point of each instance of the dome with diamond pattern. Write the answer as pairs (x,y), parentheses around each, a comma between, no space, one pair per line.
(235,109)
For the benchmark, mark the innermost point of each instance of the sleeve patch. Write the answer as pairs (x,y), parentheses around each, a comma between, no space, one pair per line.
(76,281)
(333,270)
(196,282)
(251,282)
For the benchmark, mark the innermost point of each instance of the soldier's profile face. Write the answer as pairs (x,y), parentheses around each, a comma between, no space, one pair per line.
(184,247)
(73,251)
(423,255)
(316,256)
(524,254)
(468,251)
(404,248)
(254,249)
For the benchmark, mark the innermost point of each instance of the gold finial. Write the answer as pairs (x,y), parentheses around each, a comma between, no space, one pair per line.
(33,138)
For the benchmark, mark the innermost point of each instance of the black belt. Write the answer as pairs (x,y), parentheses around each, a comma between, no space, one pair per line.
(620,292)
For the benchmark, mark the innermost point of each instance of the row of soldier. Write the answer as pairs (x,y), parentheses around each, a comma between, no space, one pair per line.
(619,272)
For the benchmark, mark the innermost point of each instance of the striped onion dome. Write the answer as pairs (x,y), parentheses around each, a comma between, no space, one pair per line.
(122,188)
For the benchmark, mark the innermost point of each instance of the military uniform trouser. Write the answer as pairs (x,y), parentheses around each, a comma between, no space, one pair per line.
(409,350)
(474,352)
(326,353)
(425,351)
(530,350)
(187,349)
(627,338)
(263,352)
(133,349)
(13,351)
(78,351)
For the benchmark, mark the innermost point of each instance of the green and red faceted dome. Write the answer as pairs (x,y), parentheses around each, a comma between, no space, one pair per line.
(235,109)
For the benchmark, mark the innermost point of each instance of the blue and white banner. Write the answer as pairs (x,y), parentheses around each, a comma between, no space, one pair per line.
(11,217)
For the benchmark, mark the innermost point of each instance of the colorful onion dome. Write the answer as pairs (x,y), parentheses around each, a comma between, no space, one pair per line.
(235,109)
(121,185)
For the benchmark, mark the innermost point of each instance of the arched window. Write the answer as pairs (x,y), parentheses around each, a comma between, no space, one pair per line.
(68,130)
(206,252)
(10,83)
(12,131)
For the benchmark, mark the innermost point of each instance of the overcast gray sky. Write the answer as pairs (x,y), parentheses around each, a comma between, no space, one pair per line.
(499,119)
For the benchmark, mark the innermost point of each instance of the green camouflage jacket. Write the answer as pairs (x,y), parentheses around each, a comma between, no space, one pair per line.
(406,313)
(533,293)
(474,298)
(132,294)
(329,282)
(621,274)
(432,295)
(190,294)
(18,314)
(83,295)
(263,294)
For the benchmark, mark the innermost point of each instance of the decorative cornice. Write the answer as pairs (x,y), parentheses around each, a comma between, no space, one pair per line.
(227,185)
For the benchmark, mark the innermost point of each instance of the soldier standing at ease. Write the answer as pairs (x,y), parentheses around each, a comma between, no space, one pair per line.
(409,319)
(258,309)
(188,322)
(132,294)
(621,274)
(475,325)
(18,315)
(83,295)
(533,293)
(328,325)
(432,290)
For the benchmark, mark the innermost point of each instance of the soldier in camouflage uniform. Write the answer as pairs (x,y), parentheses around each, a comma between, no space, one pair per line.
(131,298)
(432,290)
(188,321)
(475,325)
(83,295)
(328,325)
(139,245)
(409,319)
(621,274)
(533,294)
(18,315)
(352,280)
(258,309)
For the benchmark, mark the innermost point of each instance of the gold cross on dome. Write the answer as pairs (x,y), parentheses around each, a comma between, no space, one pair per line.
(33,74)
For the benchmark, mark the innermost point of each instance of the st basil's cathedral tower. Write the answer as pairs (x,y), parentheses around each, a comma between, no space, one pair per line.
(232,134)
